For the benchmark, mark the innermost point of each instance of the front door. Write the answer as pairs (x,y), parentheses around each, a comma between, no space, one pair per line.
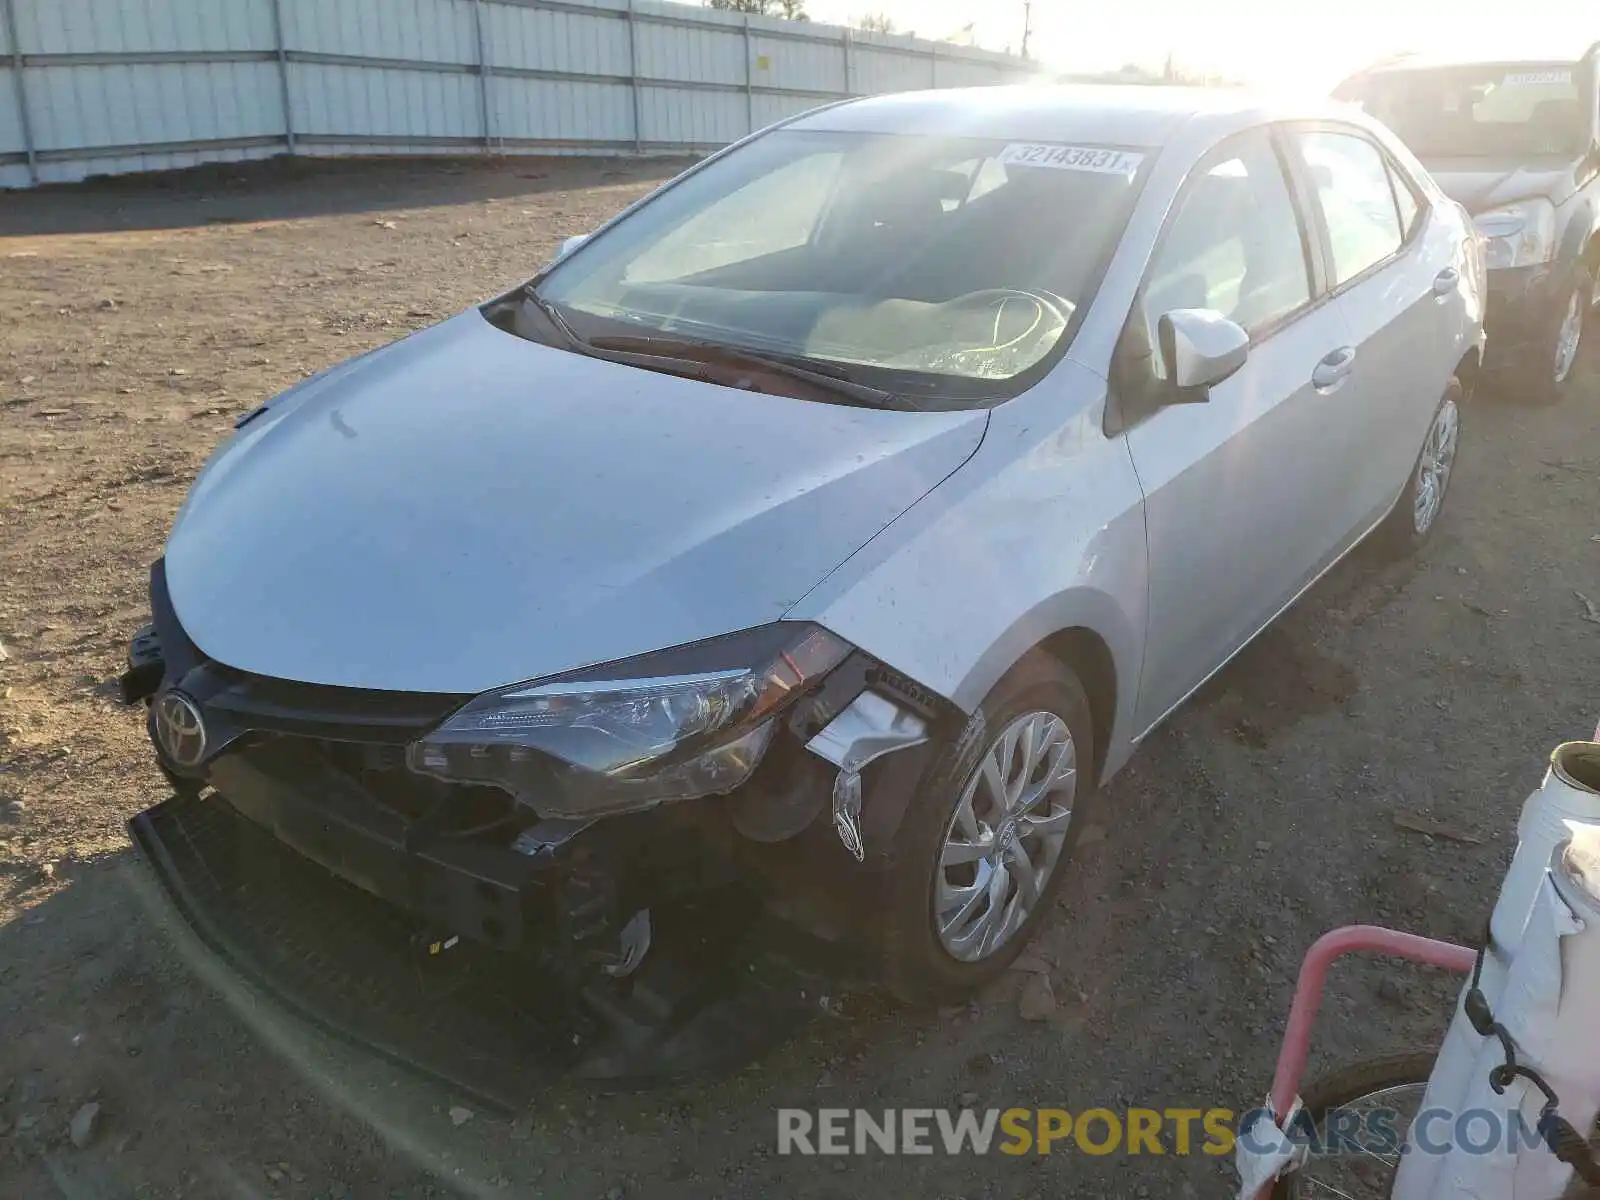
(1241,491)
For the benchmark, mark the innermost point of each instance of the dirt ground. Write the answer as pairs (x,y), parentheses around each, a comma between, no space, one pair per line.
(139,318)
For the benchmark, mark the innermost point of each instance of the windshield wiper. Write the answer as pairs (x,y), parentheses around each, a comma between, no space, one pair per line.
(825,376)
(653,351)
(552,314)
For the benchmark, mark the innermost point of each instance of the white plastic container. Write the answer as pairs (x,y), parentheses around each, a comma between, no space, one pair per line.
(1568,799)
(1570,793)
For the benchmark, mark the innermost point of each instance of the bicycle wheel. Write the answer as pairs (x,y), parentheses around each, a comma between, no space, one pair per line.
(1396,1083)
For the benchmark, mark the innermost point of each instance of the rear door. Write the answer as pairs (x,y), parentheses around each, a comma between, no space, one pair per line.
(1242,490)
(1394,274)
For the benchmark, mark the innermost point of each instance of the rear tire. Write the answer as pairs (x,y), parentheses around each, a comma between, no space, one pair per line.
(933,954)
(1414,517)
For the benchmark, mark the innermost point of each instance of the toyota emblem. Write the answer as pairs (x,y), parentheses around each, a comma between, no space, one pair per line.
(180,729)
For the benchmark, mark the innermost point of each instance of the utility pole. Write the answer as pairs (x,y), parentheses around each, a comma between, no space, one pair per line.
(1027,25)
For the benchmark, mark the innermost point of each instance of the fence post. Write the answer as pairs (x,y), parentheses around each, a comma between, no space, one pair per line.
(749,96)
(845,41)
(483,75)
(633,80)
(23,117)
(283,73)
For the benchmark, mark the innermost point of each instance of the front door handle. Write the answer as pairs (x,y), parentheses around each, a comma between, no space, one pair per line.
(1445,281)
(1333,368)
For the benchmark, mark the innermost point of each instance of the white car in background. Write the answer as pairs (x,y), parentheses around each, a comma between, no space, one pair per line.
(838,518)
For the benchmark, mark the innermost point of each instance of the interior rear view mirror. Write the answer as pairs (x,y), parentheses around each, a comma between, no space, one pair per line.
(1200,348)
(572,243)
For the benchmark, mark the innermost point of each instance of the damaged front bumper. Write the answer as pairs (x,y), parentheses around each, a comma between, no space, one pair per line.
(324,771)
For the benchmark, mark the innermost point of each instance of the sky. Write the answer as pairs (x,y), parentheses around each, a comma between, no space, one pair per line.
(1270,43)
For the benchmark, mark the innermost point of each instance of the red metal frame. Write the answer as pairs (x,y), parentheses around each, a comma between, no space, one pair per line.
(1336,943)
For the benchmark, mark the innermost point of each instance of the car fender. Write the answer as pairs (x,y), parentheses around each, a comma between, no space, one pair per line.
(1040,531)
(1580,226)
(1081,608)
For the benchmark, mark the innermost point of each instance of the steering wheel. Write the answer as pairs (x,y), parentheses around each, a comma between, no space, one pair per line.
(1047,315)
(1047,307)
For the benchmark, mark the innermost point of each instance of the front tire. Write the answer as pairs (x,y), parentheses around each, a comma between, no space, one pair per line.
(1410,524)
(1555,368)
(984,848)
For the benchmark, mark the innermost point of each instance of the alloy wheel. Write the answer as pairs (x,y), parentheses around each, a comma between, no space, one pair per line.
(1005,837)
(1434,466)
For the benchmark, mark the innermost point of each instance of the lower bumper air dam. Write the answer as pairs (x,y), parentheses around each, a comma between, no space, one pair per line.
(718,988)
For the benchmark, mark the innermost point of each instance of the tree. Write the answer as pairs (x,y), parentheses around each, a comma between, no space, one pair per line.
(874,22)
(789,10)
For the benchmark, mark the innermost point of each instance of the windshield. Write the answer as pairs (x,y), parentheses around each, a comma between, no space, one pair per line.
(1482,111)
(940,264)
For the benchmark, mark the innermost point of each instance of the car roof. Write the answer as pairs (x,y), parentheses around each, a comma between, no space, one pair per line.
(1517,50)
(1104,114)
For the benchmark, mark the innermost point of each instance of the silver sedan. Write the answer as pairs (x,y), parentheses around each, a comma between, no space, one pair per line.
(875,486)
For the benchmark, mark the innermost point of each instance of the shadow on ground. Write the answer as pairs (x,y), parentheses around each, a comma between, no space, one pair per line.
(286,189)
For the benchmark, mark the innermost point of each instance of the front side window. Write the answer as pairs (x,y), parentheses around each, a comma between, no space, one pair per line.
(1234,246)
(949,264)
(1405,199)
(1350,180)
(1485,110)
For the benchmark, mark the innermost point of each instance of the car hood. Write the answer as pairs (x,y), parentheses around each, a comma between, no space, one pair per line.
(465,509)
(1480,184)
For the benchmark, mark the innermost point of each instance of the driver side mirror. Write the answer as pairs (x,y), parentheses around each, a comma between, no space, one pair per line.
(1199,348)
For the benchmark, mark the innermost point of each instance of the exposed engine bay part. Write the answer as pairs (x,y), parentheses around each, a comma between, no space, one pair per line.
(548,836)
(869,729)
(786,797)
(722,982)
(634,944)
(145,666)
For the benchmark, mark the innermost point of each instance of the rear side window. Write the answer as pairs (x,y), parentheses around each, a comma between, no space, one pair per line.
(1350,180)
(1235,244)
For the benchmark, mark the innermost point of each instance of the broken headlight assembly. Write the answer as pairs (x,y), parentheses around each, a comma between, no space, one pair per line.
(671,725)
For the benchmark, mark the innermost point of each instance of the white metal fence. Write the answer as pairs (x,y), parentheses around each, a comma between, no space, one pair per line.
(92,87)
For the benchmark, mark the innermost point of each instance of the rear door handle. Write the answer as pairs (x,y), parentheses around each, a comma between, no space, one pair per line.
(1333,368)
(1445,281)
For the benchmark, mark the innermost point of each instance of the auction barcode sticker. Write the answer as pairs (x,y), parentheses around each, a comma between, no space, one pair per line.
(1535,78)
(1070,158)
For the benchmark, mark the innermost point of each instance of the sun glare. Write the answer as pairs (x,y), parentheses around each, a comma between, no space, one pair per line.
(1289,44)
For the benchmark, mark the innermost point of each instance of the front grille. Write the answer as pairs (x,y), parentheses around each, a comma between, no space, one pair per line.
(379,772)
(258,702)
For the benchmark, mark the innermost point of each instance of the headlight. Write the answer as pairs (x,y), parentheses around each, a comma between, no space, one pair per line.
(672,725)
(1519,235)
